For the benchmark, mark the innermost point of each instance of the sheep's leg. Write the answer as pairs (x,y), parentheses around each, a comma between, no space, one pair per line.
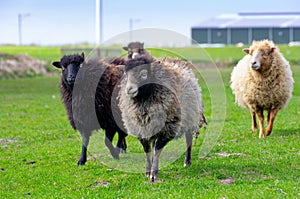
(188,157)
(124,144)
(85,143)
(260,116)
(147,150)
(159,145)
(148,164)
(121,145)
(271,117)
(254,123)
(155,165)
(268,117)
(109,135)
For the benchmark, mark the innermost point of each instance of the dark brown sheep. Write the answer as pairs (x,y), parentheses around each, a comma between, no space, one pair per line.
(160,101)
(136,49)
(88,99)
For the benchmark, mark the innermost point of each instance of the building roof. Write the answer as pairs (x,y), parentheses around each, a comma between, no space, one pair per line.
(252,20)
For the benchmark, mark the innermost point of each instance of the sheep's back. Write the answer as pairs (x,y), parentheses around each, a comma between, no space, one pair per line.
(190,101)
(191,96)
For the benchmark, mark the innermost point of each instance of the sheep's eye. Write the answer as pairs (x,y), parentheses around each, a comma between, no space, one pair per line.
(144,74)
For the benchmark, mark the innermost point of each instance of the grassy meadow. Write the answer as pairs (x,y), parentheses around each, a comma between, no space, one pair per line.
(39,149)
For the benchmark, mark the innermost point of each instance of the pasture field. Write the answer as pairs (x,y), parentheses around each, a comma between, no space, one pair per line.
(39,149)
(46,53)
(228,54)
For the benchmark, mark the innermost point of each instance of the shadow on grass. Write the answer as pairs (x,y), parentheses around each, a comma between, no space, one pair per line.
(286,132)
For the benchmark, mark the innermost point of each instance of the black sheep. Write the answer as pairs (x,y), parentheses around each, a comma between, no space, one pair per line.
(88,99)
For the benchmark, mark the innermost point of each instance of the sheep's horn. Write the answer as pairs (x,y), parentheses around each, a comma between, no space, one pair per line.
(120,67)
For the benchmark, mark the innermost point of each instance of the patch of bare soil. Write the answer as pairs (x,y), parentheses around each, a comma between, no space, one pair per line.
(14,66)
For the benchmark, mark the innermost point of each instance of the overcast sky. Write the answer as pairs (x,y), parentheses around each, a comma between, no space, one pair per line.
(58,22)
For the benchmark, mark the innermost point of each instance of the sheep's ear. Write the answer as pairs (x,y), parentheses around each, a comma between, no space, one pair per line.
(121,67)
(125,48)
(82,55)
(272,49)
(246,50)
(56,64)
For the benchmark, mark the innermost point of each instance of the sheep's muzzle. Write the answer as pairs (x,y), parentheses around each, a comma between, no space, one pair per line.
(131,90)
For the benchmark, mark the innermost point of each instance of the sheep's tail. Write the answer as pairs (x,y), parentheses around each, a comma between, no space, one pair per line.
(203,123)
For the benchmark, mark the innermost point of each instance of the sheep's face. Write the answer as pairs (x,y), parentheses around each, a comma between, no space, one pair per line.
(70,72)
(137,81)
(134,49)
(259,57)
(69,65)
(134,53)
(138,77)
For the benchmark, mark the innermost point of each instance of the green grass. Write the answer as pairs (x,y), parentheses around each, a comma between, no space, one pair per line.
(38,158)
(43,53)
(228,53)
(231,54)
(39,149)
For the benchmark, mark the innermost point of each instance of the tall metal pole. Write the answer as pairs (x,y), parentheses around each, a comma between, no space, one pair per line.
(131,21)
(130,29)
(20,28)
(20,20)
(99,22)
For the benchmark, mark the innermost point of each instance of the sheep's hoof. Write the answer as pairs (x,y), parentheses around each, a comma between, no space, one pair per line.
(262,135)
(120,150)
(155,180)
(148,174)
(115,153)
(187,163)
(153,176)
(115,156)
(268,133)
(254,128)
(81,162)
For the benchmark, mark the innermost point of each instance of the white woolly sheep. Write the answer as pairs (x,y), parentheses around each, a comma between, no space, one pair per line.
(159,102)
(262,80)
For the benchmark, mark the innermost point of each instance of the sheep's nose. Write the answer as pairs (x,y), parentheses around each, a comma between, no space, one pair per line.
(255,65)
(71,79)
(135,55)
(131,90)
